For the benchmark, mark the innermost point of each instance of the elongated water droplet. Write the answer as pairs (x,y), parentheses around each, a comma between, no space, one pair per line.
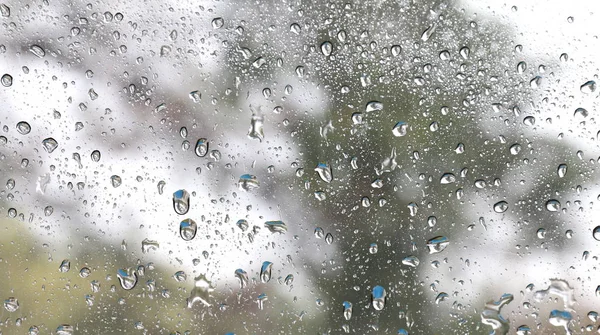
(289,279)
(242,276)
(465,52)
(181,202)
(491,315)
(64,329)
(562,170)
(256,130)
(441,297)
(411,261)
(437,244)
(261,300)
(201,147)
(23,128)
(265,272)
(248,182)
(329,238)
(378,297)
(295,28)
(187,229)
(276,226)
(65,266)
(4,10)
(561,319)
(521,67)
(428,32)
(49,144)
(347,310)
(37,50)
(128,278)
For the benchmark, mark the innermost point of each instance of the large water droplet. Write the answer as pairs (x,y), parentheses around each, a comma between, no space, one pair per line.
(256,130)
(49,144)
(242,276)
(201,292)
(37,50)
(560,288)
(95,155)
(500,207)
(491,315)
(588,87)
(411,260)
(378,297)
(217,22)
(242,224)
(128,278)
(265,272)
(553,205)
(248,182)
(326,48)
(276,226)
(181,202)
(561,319)
(201,147)
(65,266)
(116,181)
(596,233)
(11,304)
(23,128)
(324,171)
(149,245)
(187,229)
(64,330)
(400,129)
(319,232)
(447,178)
(428,32)
(437,244)
(6,80)
(515,149)
(374,106)
(347,310)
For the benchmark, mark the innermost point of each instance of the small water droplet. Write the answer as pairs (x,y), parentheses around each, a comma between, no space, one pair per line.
(149,245)
(373,248)
(447,178)
(411,261)
(95,155)
(581,113)
(256,130)
(521,67)
(11,304)
(242,276)
(596,233)
(242,224)
(374,106)
(319,232)
(326,48)
(562,170)
(324,171)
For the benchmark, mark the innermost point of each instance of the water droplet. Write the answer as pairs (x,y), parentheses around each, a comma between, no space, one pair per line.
(181,202)
(541,233)
(149,245)
(248,182)
(324,171)
(559,288)
(95,155)
(180,276)
(256,130)
(242,276)
(374,106)
(115,181)
(276,226)
(388,164)
(373,248)
(447,178)
(319,232)
(411,260)
(242,224)
(553,205)
(329,238)
(85,272)
(500,207)
(515,149)
(588,87)
(160,186)
(581,113)
(187,229)
(265,272)
(6,80)
(49,144)
(444,55)
(560,319)
(400,129)
(261,300)
(196,96)
(593,316)
(201,292)
(465,52)
(37,50)
(289,279)
(127,278)
(564,57)
(536,82)
(48,210)
(378,297)
(491,315)
(64,330)
(437,244)
(65,266)
(11,304)
(217,22)
(23,128)
(441,297)
(529,121)
(259,62)
(396,50)
(326,48)
(201,147)
(428,32)
(295,28)
(562,170)
(521,67)
(34,330)
(4,10)
(413,208)
(347,310)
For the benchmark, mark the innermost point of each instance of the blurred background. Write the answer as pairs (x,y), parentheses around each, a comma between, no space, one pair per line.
(294,167)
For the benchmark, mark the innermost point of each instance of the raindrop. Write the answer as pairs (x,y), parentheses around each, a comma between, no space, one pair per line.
(181,202)
(465,52)
(515,149)
(248,182)
(6,80)
(562,170)
(187,229)
(596,233)
(326,48)
(23,128)
(49,144)
(128,278)
(149,245)
(400,129)
(65,266)
(115,181)
(217,23)
(581,113)
(396,50)
(319,232)
(588,87)
(374,106)
(242,224)
(378,297)
(329,238)
(242,276)
(276,226)
(412,261)
(324,171)
(95,155)
(201,147)
(64,330)
(265,272)
(373,248)
(447,178)
(37,50)
(553,205)
(500,207)
(256,130)
(347,310)
(11,304)
(437,244)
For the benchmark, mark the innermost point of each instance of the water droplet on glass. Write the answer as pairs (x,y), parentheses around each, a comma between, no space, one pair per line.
(553,205)
(326,48)
(64,330)
(180,276)
(65,266)
(95,155)
(127,278)
(441,297)
(465,52)
(149,245)
(428,32)
(588,87)
(324,171)
(447,178)
(374,106)
(201,147)
(515,149)
(265,272)
(289,279)
(329,238)
(187,229)
(562,170)
(437,244)
(596,233)
(411,261)
(6,80)
(256,130)
(181,202)
(11,304)
(261,300)
(560,319)
(400,129)
(347,310)
(444,55)
(378,297)
(85,272)
(248,182)
(491,315)
(217,22)
(276,226)
(23,128)
(396,50)
(500,207)
(413,208)
(49,144)
(373,248)
(319,232)
(196,96)
(115,181)
(242,276)
(37,50)
(4,10)
(201,292)
(581,113)
(536,82)
(242,224)
(541,233)
(521,67)
(160,186)
(295,28)
(48,210)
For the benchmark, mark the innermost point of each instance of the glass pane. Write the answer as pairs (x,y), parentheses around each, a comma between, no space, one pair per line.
(299,167)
